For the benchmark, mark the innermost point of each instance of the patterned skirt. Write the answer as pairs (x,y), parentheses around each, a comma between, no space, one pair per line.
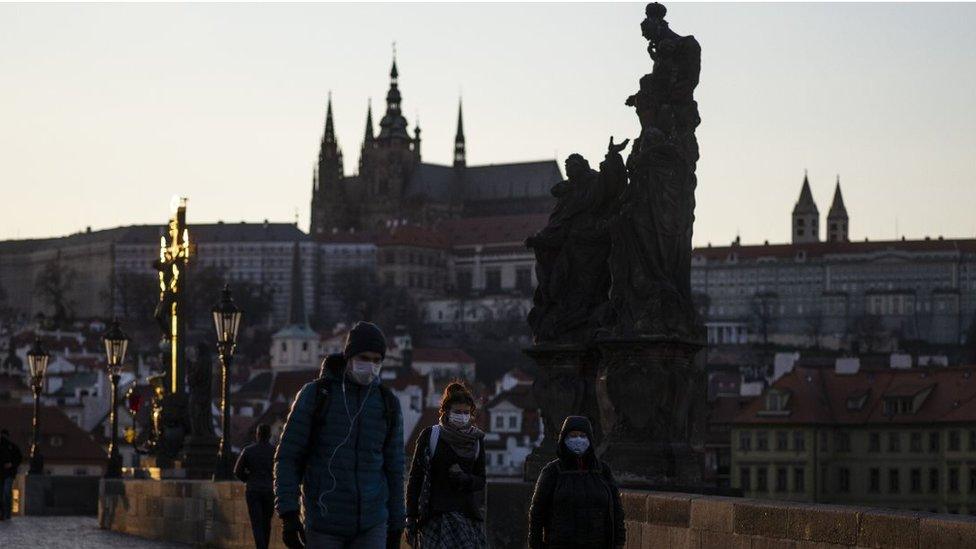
(452,531)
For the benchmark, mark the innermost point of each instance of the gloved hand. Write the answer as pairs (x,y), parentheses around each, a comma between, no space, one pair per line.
(393,538)
(292,531)
(413,528)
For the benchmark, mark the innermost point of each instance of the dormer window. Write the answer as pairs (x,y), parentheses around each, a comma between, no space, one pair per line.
(777,402)
(898,405)
(856,402)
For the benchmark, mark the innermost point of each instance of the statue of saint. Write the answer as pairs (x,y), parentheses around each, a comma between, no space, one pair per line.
(200,380)
(572,250)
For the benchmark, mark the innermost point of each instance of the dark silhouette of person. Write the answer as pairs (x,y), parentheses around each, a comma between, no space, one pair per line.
(10,458)
(255,467)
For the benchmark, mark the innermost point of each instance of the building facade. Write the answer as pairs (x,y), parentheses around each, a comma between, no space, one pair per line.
(862,296)
(902,438)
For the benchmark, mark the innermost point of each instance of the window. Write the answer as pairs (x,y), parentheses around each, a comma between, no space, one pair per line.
(799,441)
(874,480)
(761,485)
(464,281)
(933,480)
(894,481)
(499,422)
(523,279)
(762,441)
(916,442)
(304,346)
(916,480)
(933,442)
(745,480)
(799,478)
(843,480)
(955,441)
(512,422)
(874,442)
(842,442)
(781,476)
(745,441)
(782,441)
(954,479)
(284,346)
(493,280)
(894,442)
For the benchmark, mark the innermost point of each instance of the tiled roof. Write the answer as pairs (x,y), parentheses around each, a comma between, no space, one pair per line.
(822,249)
(72,444)
(511,181)
(520,395)
(821,396)
(205,233)
(502,229)
(413,235)
(428,417)
(425,354)
(256,387)
(287,384)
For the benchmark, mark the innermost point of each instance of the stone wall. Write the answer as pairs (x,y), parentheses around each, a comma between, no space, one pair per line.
(214,514)
(56,495)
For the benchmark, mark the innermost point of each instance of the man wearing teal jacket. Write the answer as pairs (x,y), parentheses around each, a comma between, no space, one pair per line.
(342,449)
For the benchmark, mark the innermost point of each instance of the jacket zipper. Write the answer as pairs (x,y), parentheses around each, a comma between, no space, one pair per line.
(359,499)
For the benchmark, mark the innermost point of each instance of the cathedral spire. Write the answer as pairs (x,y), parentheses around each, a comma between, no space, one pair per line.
(369,121)
(460,154)
(837,217)
(393,124)
(328,137)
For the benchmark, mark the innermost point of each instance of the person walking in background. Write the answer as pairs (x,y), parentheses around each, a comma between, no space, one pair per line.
(576,503)
(342,447)
(255,468)
(10,458)
(445,490)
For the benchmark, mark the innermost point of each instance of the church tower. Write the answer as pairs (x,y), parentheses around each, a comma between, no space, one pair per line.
(460,155)
(837,218)
(806,216)
(327,192)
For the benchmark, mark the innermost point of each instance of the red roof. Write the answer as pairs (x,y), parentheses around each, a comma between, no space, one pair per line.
(503,229)
(71,445)
(287,384)
(421,354)
(413,235)
(820,249)
(822,396)
(428,417)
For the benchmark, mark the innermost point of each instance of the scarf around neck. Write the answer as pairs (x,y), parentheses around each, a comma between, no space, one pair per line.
(462,440)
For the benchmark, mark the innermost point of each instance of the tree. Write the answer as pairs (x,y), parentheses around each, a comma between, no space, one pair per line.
(815,327)
(53,285)
(363,297)
(867,333)
(969,347)
(764,313)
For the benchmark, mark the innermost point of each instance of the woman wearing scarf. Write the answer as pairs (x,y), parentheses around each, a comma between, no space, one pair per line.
(576,504)
(445,490)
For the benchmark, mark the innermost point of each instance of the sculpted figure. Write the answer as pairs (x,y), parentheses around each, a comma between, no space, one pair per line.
(199,379)
(651,235)
(572,250)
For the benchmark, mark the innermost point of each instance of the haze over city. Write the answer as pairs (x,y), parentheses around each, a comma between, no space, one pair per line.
(109,110)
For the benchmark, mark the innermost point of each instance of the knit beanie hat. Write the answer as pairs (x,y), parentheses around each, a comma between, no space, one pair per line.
(365,337)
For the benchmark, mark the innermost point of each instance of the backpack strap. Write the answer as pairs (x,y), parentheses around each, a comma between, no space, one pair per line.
(390,403)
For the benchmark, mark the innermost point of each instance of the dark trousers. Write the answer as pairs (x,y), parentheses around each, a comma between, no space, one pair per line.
(260,507)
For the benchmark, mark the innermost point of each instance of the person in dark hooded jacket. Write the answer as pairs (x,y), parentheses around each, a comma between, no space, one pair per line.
(576,503)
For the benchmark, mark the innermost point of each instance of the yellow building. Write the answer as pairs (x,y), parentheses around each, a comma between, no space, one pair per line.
(888,438)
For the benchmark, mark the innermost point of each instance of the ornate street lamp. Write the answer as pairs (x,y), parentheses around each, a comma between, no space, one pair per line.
(227,321)
(37,359)
(116,343)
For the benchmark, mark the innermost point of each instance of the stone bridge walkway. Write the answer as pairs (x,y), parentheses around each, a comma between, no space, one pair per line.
(68,533)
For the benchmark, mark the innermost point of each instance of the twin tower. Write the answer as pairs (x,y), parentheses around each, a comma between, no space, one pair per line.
(806,217)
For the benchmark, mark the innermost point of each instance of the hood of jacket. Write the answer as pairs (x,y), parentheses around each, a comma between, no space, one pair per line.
(333,366)
(576,423)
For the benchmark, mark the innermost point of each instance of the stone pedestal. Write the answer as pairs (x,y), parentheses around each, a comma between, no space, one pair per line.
(649,392)
(565,385)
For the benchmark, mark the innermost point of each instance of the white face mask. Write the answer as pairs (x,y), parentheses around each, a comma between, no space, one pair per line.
(577,445)
(363,372)
(459,419)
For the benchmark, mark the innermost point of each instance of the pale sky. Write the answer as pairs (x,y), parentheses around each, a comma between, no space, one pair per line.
(106,111)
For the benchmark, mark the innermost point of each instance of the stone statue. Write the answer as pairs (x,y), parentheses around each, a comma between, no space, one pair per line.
(651,234)
(572,250)
(200,379)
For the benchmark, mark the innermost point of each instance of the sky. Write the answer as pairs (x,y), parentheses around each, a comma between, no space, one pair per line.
(108,110)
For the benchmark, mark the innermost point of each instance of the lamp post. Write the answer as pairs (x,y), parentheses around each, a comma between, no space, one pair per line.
(227,321)
(37,359)
(116,343)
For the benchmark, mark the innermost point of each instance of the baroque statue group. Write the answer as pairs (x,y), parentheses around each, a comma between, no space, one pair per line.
(613,321)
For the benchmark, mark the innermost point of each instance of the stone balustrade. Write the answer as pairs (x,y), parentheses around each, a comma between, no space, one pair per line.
(215,514)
